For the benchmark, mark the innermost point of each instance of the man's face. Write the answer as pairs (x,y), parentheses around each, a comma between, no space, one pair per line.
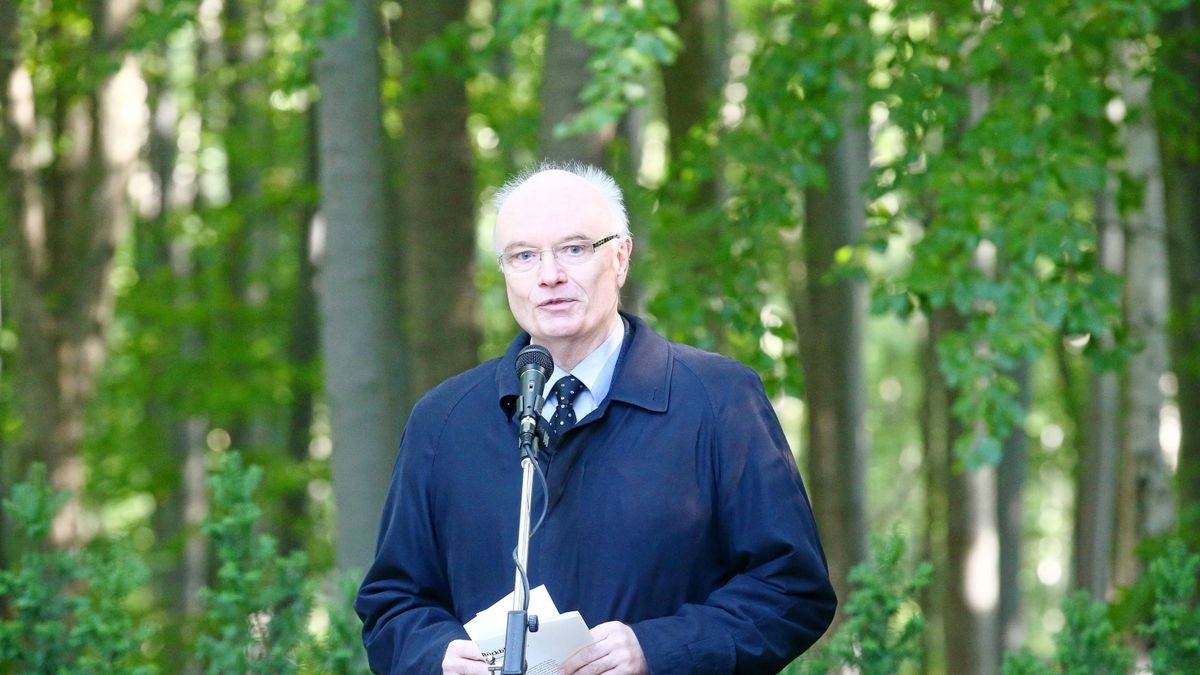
(570,309)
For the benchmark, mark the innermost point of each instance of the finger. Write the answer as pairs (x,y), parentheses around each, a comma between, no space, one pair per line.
(464,667)
(463,658)
(603,665)
(607,664)
(584,657)
(465,649)
(624,653)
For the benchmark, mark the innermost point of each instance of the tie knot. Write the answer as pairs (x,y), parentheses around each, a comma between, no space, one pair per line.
(567,389)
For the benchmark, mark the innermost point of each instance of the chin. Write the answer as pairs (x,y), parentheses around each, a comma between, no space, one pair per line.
(554,329)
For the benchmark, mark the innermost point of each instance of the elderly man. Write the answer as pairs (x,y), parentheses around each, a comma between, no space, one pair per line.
(677,522)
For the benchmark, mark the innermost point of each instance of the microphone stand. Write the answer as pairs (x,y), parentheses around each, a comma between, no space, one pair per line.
(532,439)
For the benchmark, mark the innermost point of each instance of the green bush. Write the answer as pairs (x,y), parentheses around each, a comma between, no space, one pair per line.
(1174,629)
(67,607)
(882,626)
(69,611)
(1087,645)
(340,651)
(256,615)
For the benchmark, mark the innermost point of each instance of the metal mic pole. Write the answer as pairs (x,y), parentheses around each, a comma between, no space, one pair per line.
(533,438)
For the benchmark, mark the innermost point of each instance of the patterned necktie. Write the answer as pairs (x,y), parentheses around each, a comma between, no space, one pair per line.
(564,415)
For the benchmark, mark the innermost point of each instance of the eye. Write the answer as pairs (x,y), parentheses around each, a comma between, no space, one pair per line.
(575,250)
(523,256)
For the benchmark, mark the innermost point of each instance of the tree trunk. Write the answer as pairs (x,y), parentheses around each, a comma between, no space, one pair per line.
(303,351)
(182,502)
(939,428)
(830,315)
(563,79)
(971,607)
(1099,452)
(357,320)
(1146,477)
(443,328)
(692,87)
(69,225)
(1010,498)
(692,83)
(970,614)
(1181,172)
(246,134)
(12,171)
(970,593)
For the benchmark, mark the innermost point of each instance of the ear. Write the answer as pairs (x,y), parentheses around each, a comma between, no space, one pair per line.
(624,253)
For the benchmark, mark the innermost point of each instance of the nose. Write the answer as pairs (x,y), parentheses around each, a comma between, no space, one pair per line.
(550,271)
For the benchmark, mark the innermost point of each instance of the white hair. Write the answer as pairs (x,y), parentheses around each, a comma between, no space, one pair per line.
(594,176)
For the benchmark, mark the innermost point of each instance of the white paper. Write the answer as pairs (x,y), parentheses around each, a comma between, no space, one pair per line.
(558,636)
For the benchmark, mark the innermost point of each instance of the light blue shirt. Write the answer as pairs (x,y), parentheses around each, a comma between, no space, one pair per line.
(595,372)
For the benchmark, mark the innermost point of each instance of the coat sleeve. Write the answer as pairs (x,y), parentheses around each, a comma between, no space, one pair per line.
(778,600)
(404,601)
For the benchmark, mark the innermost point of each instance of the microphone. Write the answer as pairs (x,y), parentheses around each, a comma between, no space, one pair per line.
(534,366)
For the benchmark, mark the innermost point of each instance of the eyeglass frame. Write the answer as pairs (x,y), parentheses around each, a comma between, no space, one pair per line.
(595,245)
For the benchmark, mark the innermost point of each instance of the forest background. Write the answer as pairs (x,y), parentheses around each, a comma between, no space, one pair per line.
(959,241)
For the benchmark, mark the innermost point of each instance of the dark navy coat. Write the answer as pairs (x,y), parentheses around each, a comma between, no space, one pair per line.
(675,507)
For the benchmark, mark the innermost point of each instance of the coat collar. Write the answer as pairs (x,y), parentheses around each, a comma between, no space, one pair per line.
(642,377)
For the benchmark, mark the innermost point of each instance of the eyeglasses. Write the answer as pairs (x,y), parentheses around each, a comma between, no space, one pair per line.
(568,253)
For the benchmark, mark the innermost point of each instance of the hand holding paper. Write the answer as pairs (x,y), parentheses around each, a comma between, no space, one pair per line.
(616,650)
(558,636)
(463,658)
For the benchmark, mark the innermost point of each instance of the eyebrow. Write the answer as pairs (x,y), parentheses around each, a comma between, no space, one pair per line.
(577,236)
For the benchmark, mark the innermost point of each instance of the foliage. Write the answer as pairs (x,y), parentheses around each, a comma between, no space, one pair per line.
(1087,644)
(740,254)
(69,607)
(71,611)
(882,627)
(255,616)
(969,104)
(209,283)
(628,41)
(1174,628)
(1023,661)
(973,98)
(994,133)
(339,651)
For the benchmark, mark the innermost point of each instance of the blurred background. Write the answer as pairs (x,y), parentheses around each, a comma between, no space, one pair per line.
(959,241)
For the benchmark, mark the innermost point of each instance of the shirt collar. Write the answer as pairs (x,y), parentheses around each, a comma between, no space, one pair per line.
(641,374)
(596,370)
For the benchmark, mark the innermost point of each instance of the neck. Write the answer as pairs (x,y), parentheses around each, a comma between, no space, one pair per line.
(569,353)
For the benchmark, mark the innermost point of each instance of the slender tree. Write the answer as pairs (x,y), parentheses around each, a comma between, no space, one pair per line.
(70,218)
(1177,99)
(692,87)
(692,83)
(564,77)
(303,340)
(830,317)
(10,170)
(252,230)
(181,498)
(1148,500)
(1096,475)
(1011,475)
(439,199)
(357,322)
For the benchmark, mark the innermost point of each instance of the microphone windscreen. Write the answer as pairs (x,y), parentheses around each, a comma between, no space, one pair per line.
(535,356)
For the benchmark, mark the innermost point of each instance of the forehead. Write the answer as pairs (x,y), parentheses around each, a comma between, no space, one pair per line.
(550,207)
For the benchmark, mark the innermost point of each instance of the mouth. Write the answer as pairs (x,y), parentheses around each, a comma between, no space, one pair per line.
(553,303)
